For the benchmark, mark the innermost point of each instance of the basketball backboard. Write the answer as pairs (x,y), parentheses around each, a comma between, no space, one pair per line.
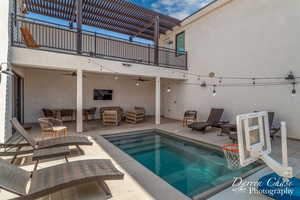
(253,136)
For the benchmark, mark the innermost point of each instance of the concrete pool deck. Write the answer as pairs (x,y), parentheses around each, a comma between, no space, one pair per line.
(139,182)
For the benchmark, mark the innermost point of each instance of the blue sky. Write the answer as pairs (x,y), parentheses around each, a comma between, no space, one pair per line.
(175,8)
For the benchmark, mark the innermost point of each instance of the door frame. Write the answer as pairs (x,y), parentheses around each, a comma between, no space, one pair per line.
(18,84)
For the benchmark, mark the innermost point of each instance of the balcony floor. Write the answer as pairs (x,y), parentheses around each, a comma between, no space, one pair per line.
(138,182)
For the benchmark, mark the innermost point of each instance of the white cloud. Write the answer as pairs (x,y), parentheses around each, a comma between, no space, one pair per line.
(179,8)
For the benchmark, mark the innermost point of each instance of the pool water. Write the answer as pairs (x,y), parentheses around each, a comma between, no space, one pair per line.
(190,168)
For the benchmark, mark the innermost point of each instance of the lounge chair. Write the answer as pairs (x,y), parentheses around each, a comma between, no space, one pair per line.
(273,131)
(28,39)
(71,140)
(213,120)
(52,179)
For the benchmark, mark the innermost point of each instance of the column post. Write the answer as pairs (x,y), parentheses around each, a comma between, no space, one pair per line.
(157,100)
(79,25)
(156,40)
(79,123)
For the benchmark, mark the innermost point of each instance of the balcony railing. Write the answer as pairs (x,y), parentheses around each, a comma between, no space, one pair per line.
(58,38)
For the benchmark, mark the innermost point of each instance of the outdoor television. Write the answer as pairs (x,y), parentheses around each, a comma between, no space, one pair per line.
(100,94)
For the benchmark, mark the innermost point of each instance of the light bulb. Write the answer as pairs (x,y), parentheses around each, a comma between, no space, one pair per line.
(294,92)
(169,89)
(214,93)
(116,78)
(294,89)
(214,90)
(137,84)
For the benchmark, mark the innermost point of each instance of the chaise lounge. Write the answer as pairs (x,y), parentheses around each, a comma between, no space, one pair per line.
(234,138)
(213,120)
(48,143)
(52,179)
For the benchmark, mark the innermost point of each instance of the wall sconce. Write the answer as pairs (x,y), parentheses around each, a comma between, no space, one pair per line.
(7,71)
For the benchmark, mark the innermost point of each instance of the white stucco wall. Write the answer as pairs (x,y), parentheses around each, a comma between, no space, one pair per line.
(50,60)
(244,38)
(50,89)
(5,85)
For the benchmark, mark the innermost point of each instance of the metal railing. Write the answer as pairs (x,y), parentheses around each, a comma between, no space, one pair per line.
(58,38)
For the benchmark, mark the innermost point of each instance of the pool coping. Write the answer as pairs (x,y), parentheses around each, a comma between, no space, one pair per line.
(202,196)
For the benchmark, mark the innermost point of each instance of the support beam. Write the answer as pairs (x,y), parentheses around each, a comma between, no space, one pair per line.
(156,40)
(157,100)
(79,126)
(79,25)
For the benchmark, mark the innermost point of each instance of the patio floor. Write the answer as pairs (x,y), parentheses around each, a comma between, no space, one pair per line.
(140,183)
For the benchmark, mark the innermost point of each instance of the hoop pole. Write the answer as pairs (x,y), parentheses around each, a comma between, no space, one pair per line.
(284,145)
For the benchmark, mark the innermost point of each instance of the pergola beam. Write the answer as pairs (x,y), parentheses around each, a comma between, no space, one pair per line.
(145,11)
(144,29)
(123,13)
(115,15)
(96,16)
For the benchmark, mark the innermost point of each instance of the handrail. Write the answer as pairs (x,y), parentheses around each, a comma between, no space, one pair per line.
(60,38)
(83,30)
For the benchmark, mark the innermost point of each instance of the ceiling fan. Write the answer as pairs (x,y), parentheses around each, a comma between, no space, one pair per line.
(140,79)
(72,74)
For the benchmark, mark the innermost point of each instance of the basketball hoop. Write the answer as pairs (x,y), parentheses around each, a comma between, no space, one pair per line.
(231,152)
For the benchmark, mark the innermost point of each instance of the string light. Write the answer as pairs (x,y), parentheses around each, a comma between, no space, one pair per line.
(291,78)
(294,89)
(214,90)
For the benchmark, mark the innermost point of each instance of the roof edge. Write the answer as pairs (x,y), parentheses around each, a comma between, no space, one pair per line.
(194,13)
(206,10)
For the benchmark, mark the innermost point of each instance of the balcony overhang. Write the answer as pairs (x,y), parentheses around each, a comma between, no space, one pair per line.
(115,15)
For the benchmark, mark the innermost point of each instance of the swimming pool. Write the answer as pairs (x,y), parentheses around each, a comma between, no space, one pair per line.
(190,167)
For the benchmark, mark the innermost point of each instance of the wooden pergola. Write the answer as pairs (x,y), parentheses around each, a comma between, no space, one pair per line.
(114,15)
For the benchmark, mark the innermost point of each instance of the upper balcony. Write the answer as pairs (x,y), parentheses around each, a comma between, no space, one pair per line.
(49,36)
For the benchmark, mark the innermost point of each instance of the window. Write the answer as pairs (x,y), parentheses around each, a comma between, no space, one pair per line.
(180,43)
